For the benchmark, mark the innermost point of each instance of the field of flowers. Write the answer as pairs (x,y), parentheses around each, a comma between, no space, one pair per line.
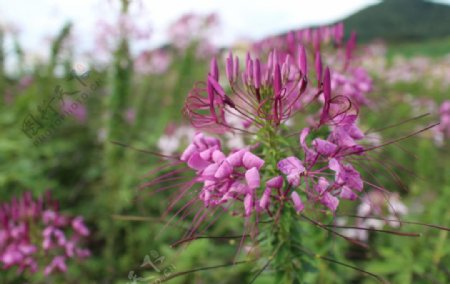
(300,158)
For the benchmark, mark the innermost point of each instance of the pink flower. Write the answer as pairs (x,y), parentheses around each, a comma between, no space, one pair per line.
(324,147)
(248,204)
(325,197)
(236,159)
(444,126)
(224,170)
(207,103)
(298,204)
(252,178)
(58,263)
(346,175)
(346,133)
(347,193)
(292,168)
(250,160)
(224,178)
(79,226)
(265,199)
(275,182)
(259,97)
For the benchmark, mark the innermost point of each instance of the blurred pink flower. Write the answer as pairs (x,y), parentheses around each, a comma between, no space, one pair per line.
(153,62)
(385,208)
(194,29)
(25,81)
(130,116)
(33,228)
(75,109)
(444,126)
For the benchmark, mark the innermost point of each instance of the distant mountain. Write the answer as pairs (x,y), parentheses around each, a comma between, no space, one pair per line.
(401,20)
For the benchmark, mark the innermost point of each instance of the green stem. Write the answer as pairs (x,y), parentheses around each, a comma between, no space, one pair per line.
(287,261)
(283,236)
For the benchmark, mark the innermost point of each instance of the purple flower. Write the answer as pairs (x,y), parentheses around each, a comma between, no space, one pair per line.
(292,168)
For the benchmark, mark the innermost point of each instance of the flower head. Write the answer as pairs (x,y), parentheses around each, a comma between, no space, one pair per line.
(262,100)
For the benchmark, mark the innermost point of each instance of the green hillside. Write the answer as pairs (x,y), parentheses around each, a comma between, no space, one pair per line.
(401,20)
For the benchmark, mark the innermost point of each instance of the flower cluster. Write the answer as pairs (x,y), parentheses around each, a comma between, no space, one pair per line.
(224,178)
(238,176)
(270,92)
(327,155)
(34,233)
(265,97)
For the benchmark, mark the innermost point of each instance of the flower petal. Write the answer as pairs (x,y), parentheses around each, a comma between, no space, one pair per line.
(224,170)
(298,204)
(276,182)
(250,160)
(252,178)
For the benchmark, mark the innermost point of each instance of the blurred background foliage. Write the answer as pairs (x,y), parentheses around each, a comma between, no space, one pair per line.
(93,176)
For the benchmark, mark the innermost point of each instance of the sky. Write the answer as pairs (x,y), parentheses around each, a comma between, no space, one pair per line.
(253,19)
